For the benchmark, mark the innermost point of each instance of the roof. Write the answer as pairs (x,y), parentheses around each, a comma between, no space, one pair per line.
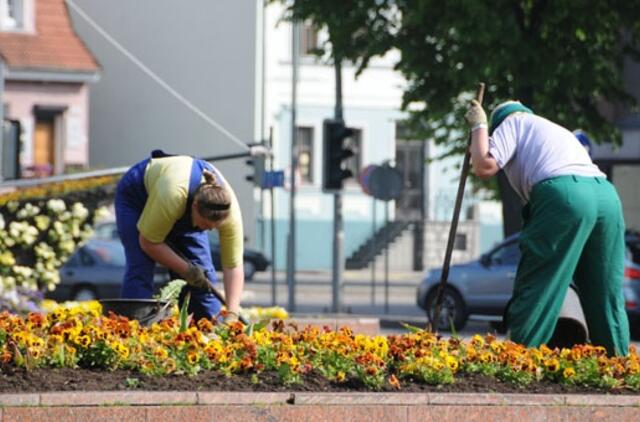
(54,47)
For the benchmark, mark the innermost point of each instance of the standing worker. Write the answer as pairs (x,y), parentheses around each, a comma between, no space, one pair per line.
(170,201)
(573,224)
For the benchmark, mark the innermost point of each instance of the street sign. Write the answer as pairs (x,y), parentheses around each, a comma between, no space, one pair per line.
(272,179)
(382,182)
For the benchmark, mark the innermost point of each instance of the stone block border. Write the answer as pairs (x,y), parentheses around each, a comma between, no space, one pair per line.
(303,406)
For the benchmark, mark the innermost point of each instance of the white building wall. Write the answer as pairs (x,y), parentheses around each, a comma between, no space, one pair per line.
(371,103)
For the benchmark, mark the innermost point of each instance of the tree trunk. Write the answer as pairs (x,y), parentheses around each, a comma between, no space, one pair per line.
(511,206)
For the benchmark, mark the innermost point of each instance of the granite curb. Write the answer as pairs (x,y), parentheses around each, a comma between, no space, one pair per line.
(193,398)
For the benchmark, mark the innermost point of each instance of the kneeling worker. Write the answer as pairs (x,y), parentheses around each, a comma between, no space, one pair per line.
(170,201)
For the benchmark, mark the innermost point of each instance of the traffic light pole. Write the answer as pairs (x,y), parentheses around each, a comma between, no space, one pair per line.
(291,240)
(338,224)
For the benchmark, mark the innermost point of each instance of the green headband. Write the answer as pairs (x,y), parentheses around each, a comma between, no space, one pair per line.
(503,110)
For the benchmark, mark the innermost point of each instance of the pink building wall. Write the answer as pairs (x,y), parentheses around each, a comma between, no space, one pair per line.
(72,128)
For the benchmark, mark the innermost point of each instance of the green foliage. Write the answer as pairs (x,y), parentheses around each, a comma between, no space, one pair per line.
(184,313)
(98,355)
(513,376)
(132,383)
(171,292)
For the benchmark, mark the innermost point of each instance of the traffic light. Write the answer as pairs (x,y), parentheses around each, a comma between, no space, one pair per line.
(333,172)
(257,170)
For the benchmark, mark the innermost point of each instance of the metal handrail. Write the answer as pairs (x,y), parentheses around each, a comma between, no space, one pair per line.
(254,151)
(23,183)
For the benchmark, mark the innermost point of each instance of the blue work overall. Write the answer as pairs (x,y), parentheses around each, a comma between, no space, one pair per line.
(184,238)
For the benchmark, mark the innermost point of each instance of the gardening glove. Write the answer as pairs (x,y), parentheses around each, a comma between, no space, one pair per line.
(229,317)
(476,116)
(195,277)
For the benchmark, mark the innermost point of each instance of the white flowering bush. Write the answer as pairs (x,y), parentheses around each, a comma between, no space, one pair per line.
(37,236)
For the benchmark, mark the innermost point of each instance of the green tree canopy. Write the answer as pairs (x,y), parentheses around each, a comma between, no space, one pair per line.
(563,58)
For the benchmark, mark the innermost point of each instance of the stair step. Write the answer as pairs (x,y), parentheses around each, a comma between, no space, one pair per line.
(366,253)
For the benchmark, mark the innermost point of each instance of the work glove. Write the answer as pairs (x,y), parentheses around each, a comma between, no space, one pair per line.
(230,317)
(476,116)
(195,277)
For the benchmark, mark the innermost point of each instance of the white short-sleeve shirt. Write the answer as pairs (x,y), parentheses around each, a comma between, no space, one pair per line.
(530,149)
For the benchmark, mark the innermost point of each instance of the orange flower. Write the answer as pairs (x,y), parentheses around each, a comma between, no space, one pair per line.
(394,382)
(6,355)
(205,325)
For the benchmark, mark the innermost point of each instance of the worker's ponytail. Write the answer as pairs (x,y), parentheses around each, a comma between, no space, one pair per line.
(213,200)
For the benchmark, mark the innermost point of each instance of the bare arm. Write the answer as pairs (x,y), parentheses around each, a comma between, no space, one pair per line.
(233,279)
(484,165)
(164,255)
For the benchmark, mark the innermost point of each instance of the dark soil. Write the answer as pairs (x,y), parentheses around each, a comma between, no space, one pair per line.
(43,380)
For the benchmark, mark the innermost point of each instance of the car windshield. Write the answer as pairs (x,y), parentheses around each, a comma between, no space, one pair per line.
(508,254)
(110,253)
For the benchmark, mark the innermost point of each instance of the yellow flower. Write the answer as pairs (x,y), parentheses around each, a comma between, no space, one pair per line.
(340,376)
(451,363)
(121,350)
(486,357)
(169,365)
(477,340)
(552,365)
(55,339)
(83,341)
(35,352)
(160,353)
(193,357)
(568,372)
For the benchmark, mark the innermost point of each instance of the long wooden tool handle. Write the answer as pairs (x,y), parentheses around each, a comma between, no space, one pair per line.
(454,224)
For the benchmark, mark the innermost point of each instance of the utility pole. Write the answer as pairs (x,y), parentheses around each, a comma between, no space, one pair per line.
(291,240)
(338,223)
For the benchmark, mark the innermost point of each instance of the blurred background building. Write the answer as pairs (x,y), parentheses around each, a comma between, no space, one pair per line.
(99,84)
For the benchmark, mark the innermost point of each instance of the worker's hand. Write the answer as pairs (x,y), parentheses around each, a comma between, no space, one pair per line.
(475,115)
(195,277)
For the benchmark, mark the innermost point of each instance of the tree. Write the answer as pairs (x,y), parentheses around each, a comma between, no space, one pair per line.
(564,59)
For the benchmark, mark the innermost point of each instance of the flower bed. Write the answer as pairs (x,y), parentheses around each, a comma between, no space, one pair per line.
(40,228)
(82,342)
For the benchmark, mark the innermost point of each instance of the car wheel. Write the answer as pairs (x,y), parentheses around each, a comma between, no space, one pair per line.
(83,294)
(249,270)
(452,312)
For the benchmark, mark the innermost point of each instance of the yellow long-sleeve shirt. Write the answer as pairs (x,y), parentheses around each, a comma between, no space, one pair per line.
(167,183)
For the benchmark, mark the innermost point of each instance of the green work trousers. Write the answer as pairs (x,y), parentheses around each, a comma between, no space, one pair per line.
(573,230)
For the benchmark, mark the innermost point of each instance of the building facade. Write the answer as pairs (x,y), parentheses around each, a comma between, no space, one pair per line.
(47,71)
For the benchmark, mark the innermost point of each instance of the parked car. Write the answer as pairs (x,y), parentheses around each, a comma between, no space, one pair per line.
(95,271)
(253,260)
(481,289)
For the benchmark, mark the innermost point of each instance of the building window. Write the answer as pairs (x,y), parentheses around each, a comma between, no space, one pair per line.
(460,242)
(354,142)
(308,40)
(11,14)
(304,141)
